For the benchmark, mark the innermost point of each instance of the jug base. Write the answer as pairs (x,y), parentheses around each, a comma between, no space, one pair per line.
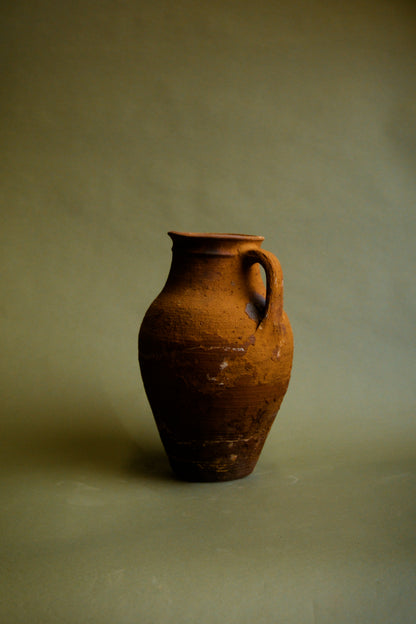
(205,472)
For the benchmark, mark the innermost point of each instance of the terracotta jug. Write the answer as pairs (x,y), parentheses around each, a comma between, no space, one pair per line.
(215,352)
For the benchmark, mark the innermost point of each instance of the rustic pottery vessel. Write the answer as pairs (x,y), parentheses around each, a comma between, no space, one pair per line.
(215,352)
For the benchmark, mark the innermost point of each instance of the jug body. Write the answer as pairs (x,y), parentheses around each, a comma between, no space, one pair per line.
(215,352)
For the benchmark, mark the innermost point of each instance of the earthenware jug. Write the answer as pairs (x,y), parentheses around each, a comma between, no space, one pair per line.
(215,352)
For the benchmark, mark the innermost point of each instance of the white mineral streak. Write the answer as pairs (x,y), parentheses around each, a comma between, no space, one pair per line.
(215,347)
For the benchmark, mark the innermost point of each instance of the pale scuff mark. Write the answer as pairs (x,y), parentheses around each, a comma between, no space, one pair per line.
(293,479)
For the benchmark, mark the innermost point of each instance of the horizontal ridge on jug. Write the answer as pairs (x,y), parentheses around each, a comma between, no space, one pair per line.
(215,352)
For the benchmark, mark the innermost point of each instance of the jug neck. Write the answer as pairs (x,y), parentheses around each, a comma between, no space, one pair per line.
(207,244)
(212,262)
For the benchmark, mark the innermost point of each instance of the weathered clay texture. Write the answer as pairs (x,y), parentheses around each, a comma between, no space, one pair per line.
(215,354)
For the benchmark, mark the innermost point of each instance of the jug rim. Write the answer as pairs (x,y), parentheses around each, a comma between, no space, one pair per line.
(216,235)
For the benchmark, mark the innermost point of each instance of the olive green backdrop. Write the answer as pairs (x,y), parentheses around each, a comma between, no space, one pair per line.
(121,120)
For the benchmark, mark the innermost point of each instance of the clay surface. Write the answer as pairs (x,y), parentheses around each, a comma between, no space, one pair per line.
(215,351)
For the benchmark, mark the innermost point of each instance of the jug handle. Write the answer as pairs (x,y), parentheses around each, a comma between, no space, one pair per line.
(274,286)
